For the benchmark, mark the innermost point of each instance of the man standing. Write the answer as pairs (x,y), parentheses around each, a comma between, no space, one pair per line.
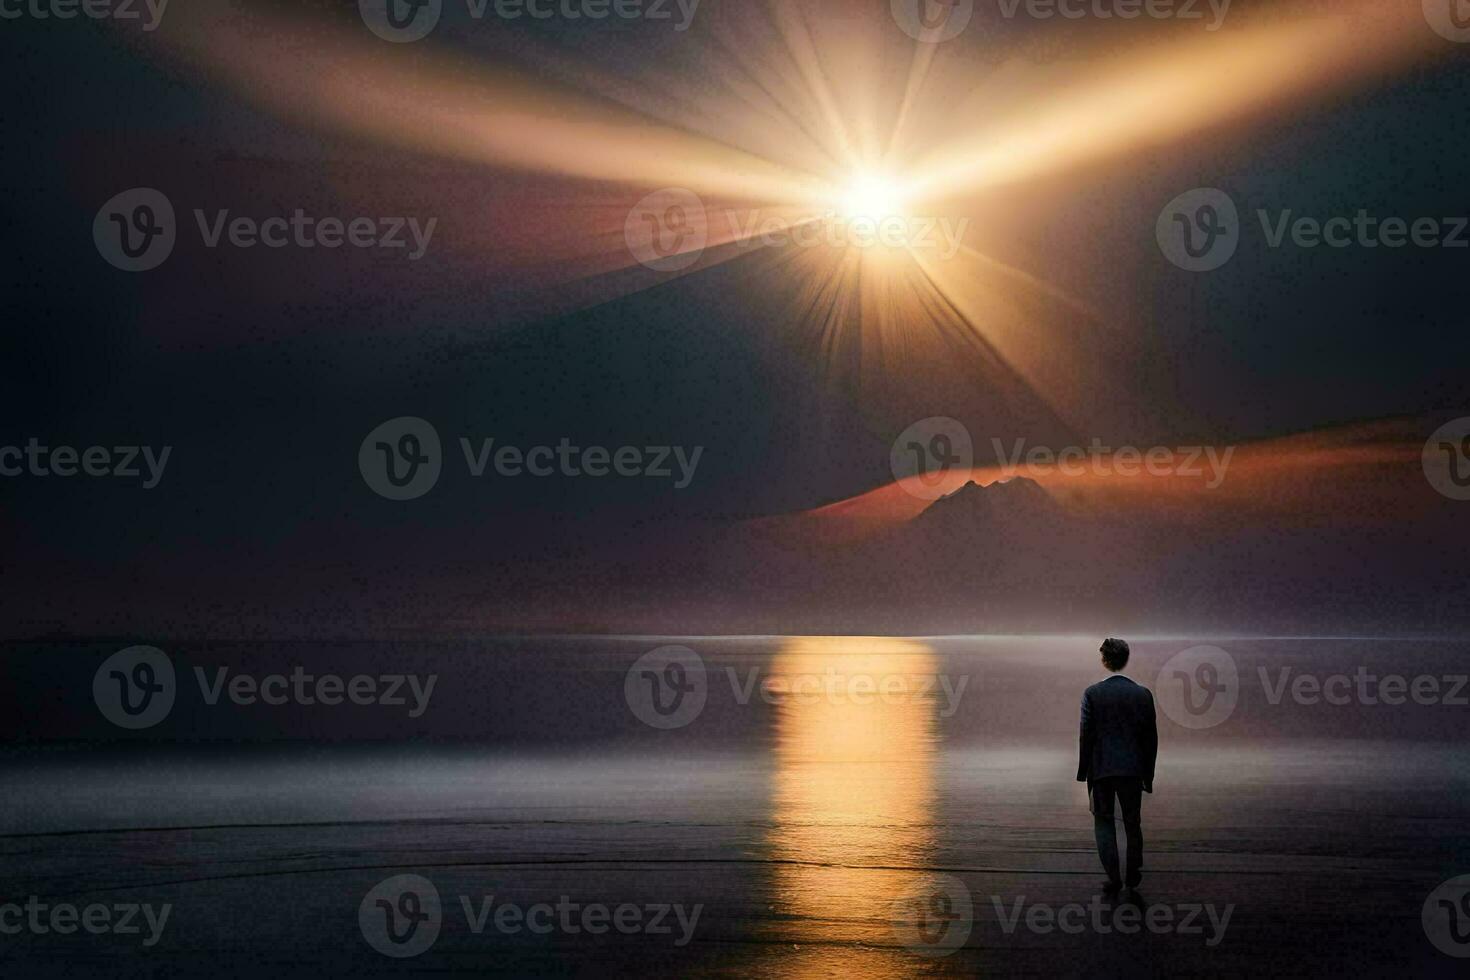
(1119,744)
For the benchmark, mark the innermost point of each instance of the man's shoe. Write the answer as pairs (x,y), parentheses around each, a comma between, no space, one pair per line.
(1112,887)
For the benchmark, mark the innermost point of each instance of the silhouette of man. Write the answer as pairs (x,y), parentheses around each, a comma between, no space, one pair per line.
(1119,743)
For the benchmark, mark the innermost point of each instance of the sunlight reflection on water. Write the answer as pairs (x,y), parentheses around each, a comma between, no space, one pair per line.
(854,789)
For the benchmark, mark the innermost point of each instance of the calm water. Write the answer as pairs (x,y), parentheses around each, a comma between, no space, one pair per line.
(839,807)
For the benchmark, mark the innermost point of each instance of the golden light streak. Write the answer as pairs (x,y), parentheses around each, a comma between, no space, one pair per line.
(796,113)
(854,786)
(465,110)
(1031,121)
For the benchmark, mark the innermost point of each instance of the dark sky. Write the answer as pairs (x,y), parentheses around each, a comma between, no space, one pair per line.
(265,370)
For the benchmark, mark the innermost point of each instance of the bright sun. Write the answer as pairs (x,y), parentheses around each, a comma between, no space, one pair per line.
(871,196)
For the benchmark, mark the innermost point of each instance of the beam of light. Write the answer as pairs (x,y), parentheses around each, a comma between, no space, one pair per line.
(1030,121)
(872,196)
(1057,357)
(799,114)
(465,110)
(853,312)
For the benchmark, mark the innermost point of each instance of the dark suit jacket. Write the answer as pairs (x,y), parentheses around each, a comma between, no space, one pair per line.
(1119,733)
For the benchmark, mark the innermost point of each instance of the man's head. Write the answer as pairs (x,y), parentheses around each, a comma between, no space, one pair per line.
(1114,654)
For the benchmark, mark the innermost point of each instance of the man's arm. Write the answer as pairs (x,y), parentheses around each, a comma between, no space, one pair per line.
(1150,742)
(1085,740)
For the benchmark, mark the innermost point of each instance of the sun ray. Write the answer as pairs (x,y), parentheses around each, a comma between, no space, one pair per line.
(468,110)
(805,120)
(1036,120)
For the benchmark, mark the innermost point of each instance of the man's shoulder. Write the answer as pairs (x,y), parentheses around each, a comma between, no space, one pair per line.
(1117,685)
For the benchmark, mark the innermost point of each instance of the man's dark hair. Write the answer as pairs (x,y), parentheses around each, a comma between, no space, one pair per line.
(1114,654)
